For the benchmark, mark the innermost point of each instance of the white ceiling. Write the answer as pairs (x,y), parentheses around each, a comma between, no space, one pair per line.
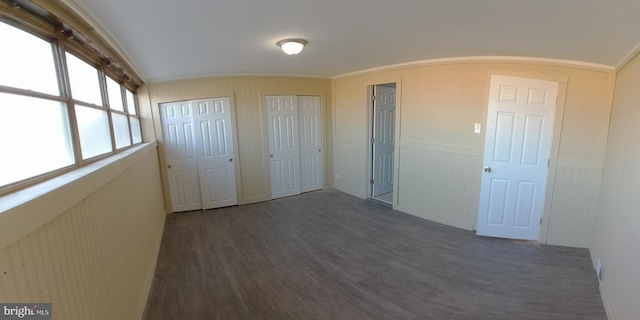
(177,39)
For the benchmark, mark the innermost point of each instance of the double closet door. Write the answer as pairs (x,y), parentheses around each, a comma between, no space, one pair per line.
(295,144)
(199,151)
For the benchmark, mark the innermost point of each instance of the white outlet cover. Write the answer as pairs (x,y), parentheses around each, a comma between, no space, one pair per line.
(477,128)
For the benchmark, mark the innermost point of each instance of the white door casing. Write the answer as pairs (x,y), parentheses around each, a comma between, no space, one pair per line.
(282,118)
(383,139)
(214,150)
(517,148)
(182,164)
(310,136)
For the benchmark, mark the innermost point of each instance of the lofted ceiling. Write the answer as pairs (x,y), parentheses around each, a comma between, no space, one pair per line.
(177,39)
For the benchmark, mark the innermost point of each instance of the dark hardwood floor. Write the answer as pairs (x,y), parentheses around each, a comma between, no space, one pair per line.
(328,255)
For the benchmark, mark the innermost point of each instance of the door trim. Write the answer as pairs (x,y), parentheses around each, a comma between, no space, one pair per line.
(397,139)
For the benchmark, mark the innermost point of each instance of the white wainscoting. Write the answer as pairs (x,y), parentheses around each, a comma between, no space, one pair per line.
(573,206)
(96,259)
(440,183)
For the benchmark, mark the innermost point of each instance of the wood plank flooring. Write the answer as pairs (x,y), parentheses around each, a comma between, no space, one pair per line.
(328,255)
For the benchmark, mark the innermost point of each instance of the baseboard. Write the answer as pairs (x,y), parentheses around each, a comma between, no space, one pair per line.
(607,304)
(151,275)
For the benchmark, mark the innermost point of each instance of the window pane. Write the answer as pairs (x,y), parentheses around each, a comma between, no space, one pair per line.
(85,84)
(115,95)
(131,103)
(93,126)
(35,137)
(27,63)
(121,130)
(135,130)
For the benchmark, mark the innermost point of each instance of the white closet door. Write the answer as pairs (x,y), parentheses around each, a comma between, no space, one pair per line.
(214,150)
(179,149)
(198,144)
(282,117)
(310,135)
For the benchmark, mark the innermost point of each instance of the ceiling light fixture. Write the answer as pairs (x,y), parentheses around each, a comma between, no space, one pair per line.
(292,46)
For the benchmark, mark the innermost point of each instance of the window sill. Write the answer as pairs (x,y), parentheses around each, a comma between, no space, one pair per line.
(24,211)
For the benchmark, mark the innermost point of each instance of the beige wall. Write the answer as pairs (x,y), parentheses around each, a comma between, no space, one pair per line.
(247,97)
(93,251)
(439,158)
(617,233)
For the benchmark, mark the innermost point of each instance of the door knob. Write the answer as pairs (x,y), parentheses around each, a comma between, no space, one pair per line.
(319,150)
(169,166)
(231,160)
(487,169)
(271,155)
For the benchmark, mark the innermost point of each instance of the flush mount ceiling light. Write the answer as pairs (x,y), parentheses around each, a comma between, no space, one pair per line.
(292,46)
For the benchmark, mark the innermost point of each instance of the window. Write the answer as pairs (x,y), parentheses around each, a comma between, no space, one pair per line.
(47,127)
(29,53)
(121,130)
(131,103)
(36,137)
(85,81)
(115,95)
(93,127)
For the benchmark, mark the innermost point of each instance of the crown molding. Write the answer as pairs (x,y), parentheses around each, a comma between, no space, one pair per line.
(486,59)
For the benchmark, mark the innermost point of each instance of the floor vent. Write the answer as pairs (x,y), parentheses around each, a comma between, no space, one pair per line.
(600,270)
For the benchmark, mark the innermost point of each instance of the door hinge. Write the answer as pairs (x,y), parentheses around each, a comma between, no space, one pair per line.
(373,140)
(371,181)
(548,162)
(540,221)
(373,97)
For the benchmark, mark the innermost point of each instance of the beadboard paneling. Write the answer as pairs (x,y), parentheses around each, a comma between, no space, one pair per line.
(95,260)
(573,206)
(617,234)
(440,186)
(247,98)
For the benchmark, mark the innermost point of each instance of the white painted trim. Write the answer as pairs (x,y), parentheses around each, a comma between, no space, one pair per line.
(80,9)
(630,56)
(231,75)
(43,202)
(606,302)
(485,59)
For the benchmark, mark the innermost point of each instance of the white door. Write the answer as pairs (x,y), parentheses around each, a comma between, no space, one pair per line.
(179,149)
(310,128)
(383,140)
(214,150)
(282,118)
(517,147)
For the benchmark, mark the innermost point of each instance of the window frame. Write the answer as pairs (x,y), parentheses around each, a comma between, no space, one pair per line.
(61,43)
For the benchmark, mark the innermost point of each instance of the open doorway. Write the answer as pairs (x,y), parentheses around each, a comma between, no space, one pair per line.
(382,139)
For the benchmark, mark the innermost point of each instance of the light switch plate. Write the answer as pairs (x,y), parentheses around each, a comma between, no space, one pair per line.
(477,128)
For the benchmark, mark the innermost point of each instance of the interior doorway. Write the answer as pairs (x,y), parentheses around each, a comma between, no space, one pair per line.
(382,141)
